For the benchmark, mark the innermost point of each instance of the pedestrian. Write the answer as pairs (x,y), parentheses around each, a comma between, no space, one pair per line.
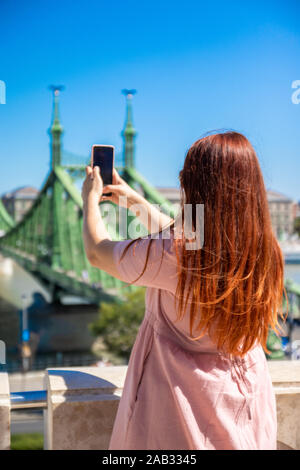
(197,376)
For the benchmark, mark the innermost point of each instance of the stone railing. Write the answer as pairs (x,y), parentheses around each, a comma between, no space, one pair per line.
(286,382)
(82,404)
(4,412)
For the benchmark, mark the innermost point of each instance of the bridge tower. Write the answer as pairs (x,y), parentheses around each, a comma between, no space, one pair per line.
(56,128)
(129,132)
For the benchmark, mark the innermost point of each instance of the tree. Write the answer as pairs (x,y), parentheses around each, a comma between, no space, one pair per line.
(119,322)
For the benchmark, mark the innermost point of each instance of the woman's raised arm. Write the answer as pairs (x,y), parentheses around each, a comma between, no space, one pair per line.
(125,196)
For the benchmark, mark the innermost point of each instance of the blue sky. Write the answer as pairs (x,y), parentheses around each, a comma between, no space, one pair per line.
(197,66)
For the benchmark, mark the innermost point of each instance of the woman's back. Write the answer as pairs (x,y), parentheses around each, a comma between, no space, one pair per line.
(180,393)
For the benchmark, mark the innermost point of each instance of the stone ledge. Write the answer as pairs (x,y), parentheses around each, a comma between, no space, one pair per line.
(285,377)
(285,373)
(88,388)
(82,404)
(83,401)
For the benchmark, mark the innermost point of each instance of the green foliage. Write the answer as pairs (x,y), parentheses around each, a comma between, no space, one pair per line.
(118,323)
(34,441)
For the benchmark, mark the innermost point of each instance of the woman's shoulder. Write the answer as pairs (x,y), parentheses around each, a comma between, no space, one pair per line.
(148,261)
(159,244)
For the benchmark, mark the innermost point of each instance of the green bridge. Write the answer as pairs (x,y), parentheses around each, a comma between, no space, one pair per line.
(48,243)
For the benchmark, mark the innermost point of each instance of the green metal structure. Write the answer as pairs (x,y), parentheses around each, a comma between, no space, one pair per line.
(48,240)
(6,222)
(129,132)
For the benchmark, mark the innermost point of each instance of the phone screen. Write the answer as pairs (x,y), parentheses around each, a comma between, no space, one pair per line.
(104,158)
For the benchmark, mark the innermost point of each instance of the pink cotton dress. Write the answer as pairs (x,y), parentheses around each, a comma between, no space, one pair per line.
(181,394)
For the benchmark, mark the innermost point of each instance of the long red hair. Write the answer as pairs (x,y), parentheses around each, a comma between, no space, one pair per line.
(236,286)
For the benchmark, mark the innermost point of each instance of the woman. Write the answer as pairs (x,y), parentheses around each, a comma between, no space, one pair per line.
(198,376)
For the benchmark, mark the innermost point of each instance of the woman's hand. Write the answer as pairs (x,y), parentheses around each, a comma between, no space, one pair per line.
(120,188)
(93,185)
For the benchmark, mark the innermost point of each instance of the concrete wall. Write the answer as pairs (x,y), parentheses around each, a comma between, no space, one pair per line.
(82,404)
(286,382)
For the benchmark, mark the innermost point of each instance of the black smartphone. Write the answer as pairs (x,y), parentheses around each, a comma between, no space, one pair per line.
(103,156)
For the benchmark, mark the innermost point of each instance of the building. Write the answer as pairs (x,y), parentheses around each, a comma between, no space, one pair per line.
(296,209)
(19,201)
(283,210)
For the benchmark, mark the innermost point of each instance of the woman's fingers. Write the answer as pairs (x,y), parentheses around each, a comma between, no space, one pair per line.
(109,188)
(96,171)
(115,173)
(117,178)
(112,188)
